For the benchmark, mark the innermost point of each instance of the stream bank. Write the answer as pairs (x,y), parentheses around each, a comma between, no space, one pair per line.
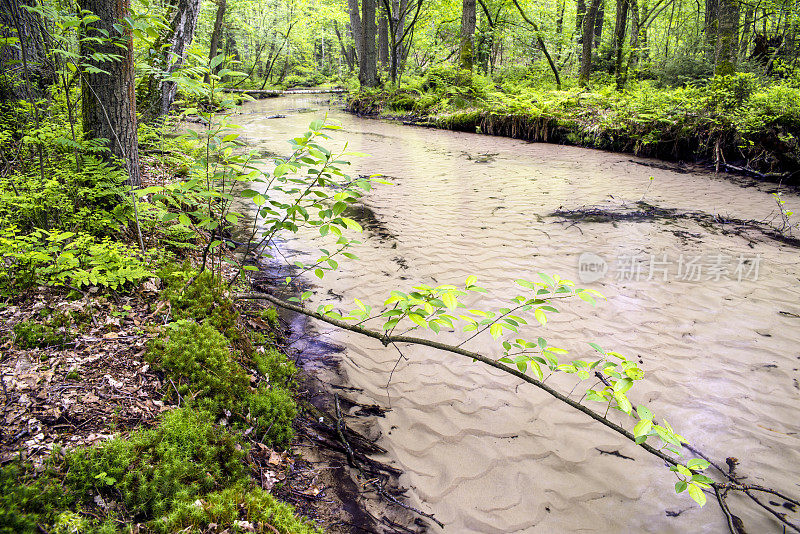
(695,125)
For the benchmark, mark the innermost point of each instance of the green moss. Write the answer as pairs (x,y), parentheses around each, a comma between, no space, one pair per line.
(26,501)
(275,367)
(239,503)
(185,457)
(198,359)
(273,410)
(209,375)
(31,335)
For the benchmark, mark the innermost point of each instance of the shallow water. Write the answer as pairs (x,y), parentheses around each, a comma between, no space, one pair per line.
(487,453)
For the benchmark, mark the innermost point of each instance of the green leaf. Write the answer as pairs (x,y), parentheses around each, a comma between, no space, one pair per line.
(540,316)
(525,283)
(642,427)
(621,386)
(644,413)
(350,223)
(496,330)
(622,402)
(680,486)
(450,300)
(537,370)
(696,493)
(471,280)
(319,272)
(697,464)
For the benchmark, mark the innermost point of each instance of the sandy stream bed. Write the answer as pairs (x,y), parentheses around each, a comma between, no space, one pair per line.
(486,453)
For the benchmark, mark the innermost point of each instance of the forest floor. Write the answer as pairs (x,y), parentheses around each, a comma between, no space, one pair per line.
(76,375)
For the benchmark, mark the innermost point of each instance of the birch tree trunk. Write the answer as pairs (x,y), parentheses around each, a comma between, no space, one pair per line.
(182,33)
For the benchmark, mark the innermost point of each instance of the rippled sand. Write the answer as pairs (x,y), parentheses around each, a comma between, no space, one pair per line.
(486,453)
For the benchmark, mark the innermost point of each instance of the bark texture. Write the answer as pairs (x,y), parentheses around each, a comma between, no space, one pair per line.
(619,42)
(14,17)
(181,35)
(467,33)
(108,99)
(587,39)
(368,60)
(727,37)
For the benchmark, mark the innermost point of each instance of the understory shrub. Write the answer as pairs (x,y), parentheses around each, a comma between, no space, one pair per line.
(58,258)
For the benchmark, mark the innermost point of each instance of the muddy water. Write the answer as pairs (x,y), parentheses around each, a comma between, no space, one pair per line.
(486,453)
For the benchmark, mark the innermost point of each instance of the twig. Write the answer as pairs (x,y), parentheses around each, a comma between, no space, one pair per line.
(725,510)
(379,488)
(340,431)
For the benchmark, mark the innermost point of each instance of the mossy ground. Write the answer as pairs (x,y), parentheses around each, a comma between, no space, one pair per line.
(190,472)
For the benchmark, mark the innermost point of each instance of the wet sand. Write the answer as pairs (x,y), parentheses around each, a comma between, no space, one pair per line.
(487,453)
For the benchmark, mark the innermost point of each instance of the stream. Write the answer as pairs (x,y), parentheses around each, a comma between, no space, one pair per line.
(712,314)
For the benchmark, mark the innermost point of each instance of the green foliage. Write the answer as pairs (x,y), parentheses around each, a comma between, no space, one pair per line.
(238,503)
(31,335)
(59,258)
(153,471)
(90,200)
(680,70)
(731,91)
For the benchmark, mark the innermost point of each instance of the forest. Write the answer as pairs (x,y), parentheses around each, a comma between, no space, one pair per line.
(282,266)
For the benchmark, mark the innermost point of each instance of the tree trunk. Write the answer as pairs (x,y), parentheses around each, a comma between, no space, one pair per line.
(383,39)
(397,30)
(633,57)
(182,34)
(347,57)
(619,42)
(710,27)
(467,34)
(368,62)
(560,6)
(356,29)
(744,45)
(16,21)
(587,39)
(580,14)
(727,37)
(599,19)
(109,103)
(213,49)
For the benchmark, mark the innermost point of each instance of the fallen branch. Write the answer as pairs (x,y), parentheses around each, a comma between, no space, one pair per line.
(387,339)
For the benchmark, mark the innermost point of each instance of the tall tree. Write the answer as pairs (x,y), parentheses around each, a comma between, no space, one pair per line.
(383,38)
(468,17)
(216,34)
(107,87)
(619,42)
(368,59)
(27,57)
(181,34)
(710,27)
(587,39)
(727,49)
